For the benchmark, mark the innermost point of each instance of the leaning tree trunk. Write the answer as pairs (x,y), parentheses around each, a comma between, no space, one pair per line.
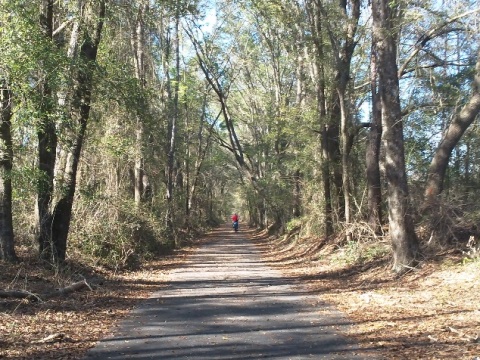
(201,154)
(233,144)
(78,107)
(7,249)
(402,234)
(456,129)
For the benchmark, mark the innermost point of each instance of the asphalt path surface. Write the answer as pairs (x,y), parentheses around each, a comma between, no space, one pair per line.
(225,302)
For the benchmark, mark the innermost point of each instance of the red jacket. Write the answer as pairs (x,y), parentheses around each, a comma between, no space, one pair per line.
(234,217)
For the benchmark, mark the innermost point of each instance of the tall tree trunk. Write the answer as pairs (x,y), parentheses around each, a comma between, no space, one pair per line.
(402,234)
(261,211)
(78,108)
(201,154)
(7,249)
(187,177)
(300,103)
(451,137)
(337,134)
(374,190)
(139,161)
(138,47)
(297,194)
(343,47)
(315,18)
(344,130)
(327,212)
(47,143)
(172,131)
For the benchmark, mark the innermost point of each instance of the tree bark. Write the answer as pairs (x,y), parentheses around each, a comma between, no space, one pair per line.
(402,234)
(315,19)
(138,45)
(451,137)
(47,143)
(344,130)
(78,108)
(297,194)
(7,248)
(327,211)
(172,132)
(374,191)
(343,47)
(336,138)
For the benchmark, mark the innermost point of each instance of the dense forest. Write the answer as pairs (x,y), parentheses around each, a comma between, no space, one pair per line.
(128,125)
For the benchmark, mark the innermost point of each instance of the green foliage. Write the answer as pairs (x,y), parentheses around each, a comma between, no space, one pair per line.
(110,232)
(349,253)
(355,252)
(294,224)
(117,145)
(471,259)
(25,182)
(259,53)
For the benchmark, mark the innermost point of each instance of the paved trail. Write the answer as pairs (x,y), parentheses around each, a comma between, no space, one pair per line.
(226,303)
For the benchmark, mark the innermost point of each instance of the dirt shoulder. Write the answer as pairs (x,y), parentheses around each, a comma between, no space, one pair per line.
(433,312)
(65,327)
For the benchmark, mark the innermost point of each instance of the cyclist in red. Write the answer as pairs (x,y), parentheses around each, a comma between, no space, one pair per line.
(235,221)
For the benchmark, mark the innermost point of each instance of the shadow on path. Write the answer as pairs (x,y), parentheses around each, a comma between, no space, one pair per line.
(226,303)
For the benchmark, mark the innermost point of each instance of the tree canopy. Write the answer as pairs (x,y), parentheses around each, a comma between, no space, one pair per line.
(126,125)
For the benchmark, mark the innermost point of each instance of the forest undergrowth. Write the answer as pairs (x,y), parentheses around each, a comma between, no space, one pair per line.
(430,312)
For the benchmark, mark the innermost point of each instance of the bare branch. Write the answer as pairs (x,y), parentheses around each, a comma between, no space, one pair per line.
(433,33)
(61,27)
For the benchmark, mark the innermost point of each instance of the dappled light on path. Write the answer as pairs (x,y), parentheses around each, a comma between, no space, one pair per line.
(226,303)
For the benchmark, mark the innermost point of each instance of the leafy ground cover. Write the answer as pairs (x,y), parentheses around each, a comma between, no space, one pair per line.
(432,312)
(65,327)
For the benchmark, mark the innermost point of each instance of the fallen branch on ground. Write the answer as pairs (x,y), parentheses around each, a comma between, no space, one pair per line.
(23,294)
(71,288)
(50,339)
(18,294)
